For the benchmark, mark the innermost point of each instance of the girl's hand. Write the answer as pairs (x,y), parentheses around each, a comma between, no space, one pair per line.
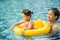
(22,31)
(11,27)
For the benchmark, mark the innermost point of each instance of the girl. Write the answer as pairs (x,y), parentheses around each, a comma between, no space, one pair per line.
(26,14)
(53,16)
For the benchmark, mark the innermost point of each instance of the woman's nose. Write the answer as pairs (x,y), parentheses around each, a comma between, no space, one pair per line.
(48,16)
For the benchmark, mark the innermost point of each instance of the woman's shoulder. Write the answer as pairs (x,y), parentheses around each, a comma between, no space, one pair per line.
(55,25)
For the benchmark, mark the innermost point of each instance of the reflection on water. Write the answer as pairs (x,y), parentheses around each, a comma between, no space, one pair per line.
(10,13)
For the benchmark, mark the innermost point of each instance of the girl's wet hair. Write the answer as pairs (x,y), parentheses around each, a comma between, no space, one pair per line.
(27,12)
(56,12)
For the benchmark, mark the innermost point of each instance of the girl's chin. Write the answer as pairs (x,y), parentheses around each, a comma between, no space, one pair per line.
(49,20)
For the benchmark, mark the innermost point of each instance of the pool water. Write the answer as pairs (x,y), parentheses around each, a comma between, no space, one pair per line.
(10,13)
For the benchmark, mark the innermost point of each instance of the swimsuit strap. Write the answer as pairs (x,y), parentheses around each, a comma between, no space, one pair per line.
(26,25)
(31,27)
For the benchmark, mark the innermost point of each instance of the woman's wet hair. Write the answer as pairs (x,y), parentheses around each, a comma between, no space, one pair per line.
(56,12)
(27,12)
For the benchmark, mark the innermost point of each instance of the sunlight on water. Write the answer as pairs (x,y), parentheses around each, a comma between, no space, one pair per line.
(10,13)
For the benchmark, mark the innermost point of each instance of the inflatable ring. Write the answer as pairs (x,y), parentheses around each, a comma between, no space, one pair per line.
(40,27)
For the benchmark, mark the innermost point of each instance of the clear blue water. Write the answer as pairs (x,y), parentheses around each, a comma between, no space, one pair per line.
(10,13)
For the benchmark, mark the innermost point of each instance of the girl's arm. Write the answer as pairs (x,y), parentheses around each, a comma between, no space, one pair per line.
(29,26)
(16,24)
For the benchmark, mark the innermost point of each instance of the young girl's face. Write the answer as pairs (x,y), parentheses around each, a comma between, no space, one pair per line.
(25,17)
(51,16)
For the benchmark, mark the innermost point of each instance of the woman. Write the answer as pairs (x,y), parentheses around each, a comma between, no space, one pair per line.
(53,16)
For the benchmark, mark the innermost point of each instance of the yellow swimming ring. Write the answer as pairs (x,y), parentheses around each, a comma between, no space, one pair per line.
(40,27)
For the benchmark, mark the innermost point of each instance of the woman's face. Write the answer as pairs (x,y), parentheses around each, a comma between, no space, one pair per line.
(25,17)
(51,16)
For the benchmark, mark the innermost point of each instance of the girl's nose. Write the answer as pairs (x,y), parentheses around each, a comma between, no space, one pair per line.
(47,15)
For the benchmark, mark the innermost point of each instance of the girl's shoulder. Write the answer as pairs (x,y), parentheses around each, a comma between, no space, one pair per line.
(31,21)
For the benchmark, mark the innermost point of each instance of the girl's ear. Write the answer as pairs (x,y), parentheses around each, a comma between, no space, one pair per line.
(55,17)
